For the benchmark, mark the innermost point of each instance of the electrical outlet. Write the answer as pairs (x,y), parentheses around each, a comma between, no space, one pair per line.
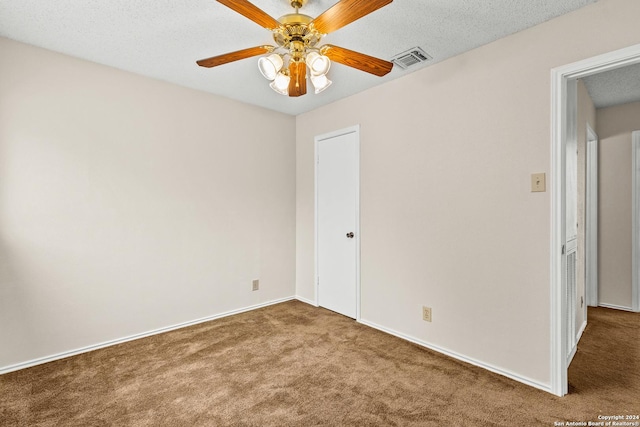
(426,314)
(255,285)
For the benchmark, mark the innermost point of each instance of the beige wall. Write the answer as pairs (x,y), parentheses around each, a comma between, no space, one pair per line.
(586,116)
(615,125)
(129,204)
(447,216)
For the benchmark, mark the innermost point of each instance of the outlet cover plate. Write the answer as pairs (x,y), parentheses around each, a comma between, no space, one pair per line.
(255,285)
(426,314)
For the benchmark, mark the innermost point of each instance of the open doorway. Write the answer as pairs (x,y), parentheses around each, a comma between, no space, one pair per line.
(564,116)
(615,95)
(614,283)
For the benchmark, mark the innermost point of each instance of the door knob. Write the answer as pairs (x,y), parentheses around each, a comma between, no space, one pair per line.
(350,235)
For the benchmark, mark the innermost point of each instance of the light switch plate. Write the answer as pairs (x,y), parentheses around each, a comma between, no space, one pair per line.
(538,183)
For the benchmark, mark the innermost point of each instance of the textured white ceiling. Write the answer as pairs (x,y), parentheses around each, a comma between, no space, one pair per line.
(614,87)
(164,38)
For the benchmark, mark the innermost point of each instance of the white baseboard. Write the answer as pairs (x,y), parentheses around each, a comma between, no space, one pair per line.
(306,301)
(453,354)
(615,307)
(51,358)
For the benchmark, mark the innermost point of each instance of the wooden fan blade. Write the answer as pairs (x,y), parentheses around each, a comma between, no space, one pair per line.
(234,56)
(358,60)
(298,75)
(253,12)
(345,12)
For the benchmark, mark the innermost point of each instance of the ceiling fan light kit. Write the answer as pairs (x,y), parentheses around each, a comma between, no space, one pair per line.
(320,83)
(281,84)
(270,65)
(318,64)
(297,36)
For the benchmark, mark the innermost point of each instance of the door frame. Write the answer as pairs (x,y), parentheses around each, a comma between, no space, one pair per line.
(591,219)
(319,138)
(560,105)
(635,221)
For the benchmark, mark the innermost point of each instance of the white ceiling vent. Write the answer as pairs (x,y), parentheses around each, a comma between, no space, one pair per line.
(411,57)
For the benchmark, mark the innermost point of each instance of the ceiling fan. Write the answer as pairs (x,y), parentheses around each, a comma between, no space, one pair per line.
(297,37)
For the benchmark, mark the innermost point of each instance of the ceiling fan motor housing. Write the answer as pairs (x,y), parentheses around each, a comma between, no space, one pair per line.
(296,34)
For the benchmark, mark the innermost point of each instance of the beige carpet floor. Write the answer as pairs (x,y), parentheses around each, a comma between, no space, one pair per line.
(295,365)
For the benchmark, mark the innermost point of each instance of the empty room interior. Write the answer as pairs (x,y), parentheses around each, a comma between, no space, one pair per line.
(173,241)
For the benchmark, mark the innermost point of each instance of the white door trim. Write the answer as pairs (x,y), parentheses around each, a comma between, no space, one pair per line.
(352,129)
(591,219)
(635,218)
(559,106)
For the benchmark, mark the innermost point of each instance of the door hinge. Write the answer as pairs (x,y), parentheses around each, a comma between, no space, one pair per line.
(563,249)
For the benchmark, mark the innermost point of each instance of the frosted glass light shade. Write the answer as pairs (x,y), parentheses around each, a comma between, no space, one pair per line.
(281,84)
(270,65)
(318,64)
(320,83)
